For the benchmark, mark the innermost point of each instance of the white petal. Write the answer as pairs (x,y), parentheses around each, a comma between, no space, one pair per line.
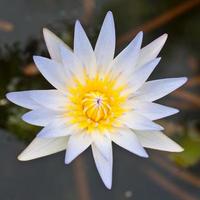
(40,147)
(153,90)
(77,144)
(136,121)
(153,111)
(51,99)
(72,64)
(22,98)
(128,140)
(40,117)
(57,128)
(53,44)
(142,74)
(104,166)
(157,140)
(151,51)
(52,71)
(127,59)
(103,143)
(84,50)
(105,46)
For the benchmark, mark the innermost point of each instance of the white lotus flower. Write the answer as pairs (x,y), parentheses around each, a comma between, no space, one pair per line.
(98,99)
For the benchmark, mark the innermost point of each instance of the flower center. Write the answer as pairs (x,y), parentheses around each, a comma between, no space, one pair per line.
(95,106)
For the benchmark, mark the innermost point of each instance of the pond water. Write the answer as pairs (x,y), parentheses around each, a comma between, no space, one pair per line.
(164,175)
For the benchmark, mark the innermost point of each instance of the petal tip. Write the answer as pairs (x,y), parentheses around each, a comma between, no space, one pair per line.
(67,160)
(181,81)
(165,36)
(140,35)
(9,96)
(36,58)
(176,111)
(45,30)
(145,155)
(21,157)
(77,23)
(109,186)
(12,96)
(184,79)
(47,33)
(109,13)
(178,149)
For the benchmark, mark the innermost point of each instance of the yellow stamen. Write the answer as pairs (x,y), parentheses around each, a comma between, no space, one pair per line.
(96,104)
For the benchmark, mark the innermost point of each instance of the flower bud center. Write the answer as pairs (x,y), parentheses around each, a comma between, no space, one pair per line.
(95,106)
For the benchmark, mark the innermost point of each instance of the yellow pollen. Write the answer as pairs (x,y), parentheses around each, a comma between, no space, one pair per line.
(96,106)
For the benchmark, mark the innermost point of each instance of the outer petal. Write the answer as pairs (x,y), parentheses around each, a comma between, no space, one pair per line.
(77,144)
(136,121)
(40,117)
(40,147)
(151,51)
(153,111)
(72,64)
(127,139)
(52,71)
(57,128)
(103,143)
(104,166)
(51,99)
(127,59)
(23,99)
(53,44)
(157,140)
(142,74)
(153,90)
(105,46)
(83,50)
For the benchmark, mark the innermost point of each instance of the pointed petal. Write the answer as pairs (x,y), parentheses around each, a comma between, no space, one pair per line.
(103,143)
(104,166)
(77,144)
(53,44)
(142,74)
(127,139)
(127,59)
(153,90)
(157,140)
(51,99)
(153,111)
(151,51)
(136,121)
(72,64)
(52,71)
(105,46)
(40,117)
(84,50)
(40,147)
(23,99)
(57,128)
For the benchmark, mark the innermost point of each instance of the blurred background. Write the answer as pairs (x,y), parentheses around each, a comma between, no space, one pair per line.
(166,176)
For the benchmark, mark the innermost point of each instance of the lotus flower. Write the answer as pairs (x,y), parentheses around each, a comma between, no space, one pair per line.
(98,99)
